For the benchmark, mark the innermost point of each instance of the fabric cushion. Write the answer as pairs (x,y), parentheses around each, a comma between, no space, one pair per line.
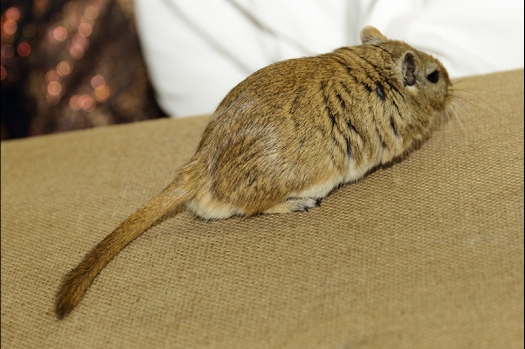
(426,253)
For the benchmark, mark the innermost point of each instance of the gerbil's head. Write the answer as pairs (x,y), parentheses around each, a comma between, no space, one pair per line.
(422,75)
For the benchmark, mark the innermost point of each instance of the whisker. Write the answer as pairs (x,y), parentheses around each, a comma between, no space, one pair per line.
(476,104)
(461,109)
(468,85)
(453,110)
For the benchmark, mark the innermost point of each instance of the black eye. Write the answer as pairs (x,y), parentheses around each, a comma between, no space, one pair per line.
(433,77)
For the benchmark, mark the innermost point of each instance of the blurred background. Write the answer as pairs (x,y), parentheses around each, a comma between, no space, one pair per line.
(68,65)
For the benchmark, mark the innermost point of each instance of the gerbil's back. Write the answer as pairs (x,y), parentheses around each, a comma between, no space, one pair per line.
(297,124)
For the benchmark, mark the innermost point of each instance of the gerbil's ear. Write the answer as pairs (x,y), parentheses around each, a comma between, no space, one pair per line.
(409,69)
(370,35)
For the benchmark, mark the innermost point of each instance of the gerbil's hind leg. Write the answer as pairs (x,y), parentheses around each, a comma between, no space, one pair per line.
(294,205)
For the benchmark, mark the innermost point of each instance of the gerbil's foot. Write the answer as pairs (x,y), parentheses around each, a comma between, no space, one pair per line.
(295,205)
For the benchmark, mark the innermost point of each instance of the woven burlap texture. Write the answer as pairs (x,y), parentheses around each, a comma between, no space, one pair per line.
(427,253)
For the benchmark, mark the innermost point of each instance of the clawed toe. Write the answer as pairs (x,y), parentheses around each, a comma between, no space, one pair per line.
(303,204)
(295,205)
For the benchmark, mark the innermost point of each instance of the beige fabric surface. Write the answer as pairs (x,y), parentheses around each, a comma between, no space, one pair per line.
(427,253)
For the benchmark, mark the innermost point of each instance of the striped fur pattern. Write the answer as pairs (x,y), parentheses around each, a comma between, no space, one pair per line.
(288,135)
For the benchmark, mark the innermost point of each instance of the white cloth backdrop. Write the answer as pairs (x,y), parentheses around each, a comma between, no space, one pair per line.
(197,50)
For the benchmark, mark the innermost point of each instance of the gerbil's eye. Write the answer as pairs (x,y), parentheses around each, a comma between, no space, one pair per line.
(433,77)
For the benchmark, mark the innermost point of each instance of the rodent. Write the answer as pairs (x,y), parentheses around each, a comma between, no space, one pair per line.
(289,134)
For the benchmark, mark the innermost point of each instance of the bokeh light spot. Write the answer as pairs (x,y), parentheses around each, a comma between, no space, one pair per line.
(85,30)
(29,30)
(74,102)
(10,27)
(64,68)
(52,75)
(54,88)
(7,51)
(87,103)
(91,13)
(60,33)
(97,81)
(101,93)
(23,49)
(12,13)
(76,51)
(3,73)
(77,46)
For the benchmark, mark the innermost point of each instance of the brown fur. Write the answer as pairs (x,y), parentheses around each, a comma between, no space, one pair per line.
(289,134)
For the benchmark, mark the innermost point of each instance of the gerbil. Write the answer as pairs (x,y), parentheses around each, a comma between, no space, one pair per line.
(290,133)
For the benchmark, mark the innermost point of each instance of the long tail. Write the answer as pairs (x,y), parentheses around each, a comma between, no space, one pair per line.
(76,282)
